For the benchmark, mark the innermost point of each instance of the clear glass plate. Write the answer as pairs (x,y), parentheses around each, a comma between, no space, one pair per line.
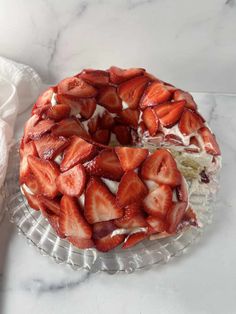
(39,233)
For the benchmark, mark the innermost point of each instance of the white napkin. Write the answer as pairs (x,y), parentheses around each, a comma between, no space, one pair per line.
(19,87)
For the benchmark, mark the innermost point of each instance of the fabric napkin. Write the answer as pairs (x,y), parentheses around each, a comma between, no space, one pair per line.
(19,87)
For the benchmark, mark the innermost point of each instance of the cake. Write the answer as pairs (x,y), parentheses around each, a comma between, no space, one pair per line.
(107,157)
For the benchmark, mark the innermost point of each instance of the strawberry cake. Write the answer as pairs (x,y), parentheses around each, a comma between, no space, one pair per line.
(108,157)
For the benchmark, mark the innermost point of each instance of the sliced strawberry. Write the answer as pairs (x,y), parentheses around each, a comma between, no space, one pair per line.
(109,99)
(100,203)
(190,122)
(93,124)
(131,158)
(170,113)
(151,121)
(106,165)
(134,239)
(181,95)
(32,200)
(29,126)
(170,88)
(209,141)
(129,117)
(72,182)
(118,75)
(41,110)
(106,121)
(156,224)
(75,88)
(95,77)
(132,90)
(71,221)
(81,243)
(182,191)
(53,206)
(103,228)
(83,106)
(58,112)
(155,94)
(190,217)
(173,139)
(45,98)
(53,221)
(123,134)
(41,128)
(32,183)
(102,136)
(195,145)
(158,202)
(78,151)
(109,242)
(46,173)
(69,127)
(161,168)
(175,215)
(26,150)
(49,146)
(131,189)
(132,218)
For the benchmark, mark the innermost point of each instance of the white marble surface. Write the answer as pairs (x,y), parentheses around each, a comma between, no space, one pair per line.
(189,43)
(201,282)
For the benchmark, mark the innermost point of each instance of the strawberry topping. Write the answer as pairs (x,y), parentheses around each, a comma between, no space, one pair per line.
(58,112)
(209,141)
(155,94)
(95,77)
(190,122)
(75,88)
(151,121)
(134,239)
(169,113)
(28,149)
(69,127)
(175,215)
(118,75)
(109,99)
(181,95)
(123,134)
(131,158)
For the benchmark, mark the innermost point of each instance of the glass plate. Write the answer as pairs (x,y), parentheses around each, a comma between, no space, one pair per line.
(39,233)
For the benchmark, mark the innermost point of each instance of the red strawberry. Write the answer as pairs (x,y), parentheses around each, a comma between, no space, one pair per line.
(83,106)
(53,206)
(132,218)
(81,243)
(40,128)
(209,141)
(29,125)
(102,136)
(169,113)
(72,182)
(156,224)
(95,77)
(53,221)
(131,189)
(106,121)
(58,112)
(151,121)
(182,191)
(161,168)
(131,158)
(32,183)
(103,228)
(46,173)
(109,99)
(40,111)
(100,203)
(106,165)
(158,202)
(195,145)
(75,88)
(49,146)
(78,151)
(69,127)
(173,139)
(26,150)
(129,117)
(45,98)
(71,221)
(155,94)
(118,75)
(108,243)
(190,217)
(32,200)
(190,122)
(181,95)
(134,239)
(93,124)
(175,215)
(132,90)
(123,134)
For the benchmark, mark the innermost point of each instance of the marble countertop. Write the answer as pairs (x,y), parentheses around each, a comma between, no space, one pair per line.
(189,43)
